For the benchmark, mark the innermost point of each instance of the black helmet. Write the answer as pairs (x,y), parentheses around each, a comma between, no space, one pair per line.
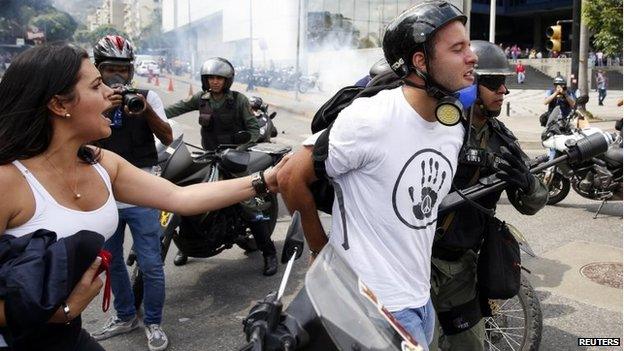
(379,67)
(559,80)
(409,32)
(492,59)
(255,102)
(217,66)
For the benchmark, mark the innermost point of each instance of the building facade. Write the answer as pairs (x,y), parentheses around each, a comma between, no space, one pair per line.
(338,38)
(139,14)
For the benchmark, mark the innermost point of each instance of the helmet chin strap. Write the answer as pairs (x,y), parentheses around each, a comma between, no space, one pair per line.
(432,88)
(488,113)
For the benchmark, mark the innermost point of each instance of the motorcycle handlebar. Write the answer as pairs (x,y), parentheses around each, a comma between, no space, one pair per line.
(578,152)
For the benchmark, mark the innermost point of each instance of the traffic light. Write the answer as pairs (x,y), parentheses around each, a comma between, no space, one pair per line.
(554,38)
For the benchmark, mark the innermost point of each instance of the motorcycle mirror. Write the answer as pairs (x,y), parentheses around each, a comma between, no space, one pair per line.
(272,115)
(582,100)
(242,137)
(294,239)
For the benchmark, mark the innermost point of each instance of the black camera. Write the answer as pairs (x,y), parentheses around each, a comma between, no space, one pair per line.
(132,100)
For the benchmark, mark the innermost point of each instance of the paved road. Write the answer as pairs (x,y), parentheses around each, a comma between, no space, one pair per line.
(208,298)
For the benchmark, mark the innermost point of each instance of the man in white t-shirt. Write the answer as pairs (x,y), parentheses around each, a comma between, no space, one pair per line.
(391,163)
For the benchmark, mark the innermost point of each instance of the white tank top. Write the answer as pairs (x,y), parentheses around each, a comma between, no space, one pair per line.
(52,216)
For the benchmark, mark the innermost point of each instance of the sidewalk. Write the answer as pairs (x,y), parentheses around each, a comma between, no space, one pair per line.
(525,107)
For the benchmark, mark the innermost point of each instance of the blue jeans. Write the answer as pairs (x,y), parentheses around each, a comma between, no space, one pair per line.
(552,153)
(145,228)
(419,322)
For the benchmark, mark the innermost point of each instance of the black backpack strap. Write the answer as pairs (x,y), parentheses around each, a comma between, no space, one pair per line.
(320,152)
(319,156)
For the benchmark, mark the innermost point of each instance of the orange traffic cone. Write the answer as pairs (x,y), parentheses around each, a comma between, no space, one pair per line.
(191,90)
(156,81)
(170,87)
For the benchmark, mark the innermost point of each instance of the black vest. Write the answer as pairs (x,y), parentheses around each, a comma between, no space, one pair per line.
(468,226)
(134,140)
(224,122)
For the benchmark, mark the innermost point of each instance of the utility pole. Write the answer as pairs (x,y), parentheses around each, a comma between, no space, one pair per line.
(576,33)
(298,48)
(250,83)
(467,9)
(492,20)
(191,36)
(583,53)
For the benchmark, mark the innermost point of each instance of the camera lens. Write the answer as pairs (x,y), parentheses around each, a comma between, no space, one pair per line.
(134,102)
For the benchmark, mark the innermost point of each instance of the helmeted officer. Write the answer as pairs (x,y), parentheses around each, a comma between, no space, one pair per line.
(222,113)
(460,233)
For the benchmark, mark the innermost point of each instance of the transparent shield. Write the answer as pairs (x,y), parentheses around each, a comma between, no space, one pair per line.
(348,310)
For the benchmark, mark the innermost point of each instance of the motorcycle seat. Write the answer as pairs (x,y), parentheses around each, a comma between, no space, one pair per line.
(242,163)
(613,156)
(258,161)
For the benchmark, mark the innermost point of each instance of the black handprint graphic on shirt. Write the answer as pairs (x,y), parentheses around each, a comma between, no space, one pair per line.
(430,183)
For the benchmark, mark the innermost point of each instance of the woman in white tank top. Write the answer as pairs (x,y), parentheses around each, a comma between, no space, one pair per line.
(52,101)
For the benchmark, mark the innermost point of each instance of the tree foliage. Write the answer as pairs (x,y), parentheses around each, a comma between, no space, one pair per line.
(103,31)
(56,25)
(17,15)
(604,18)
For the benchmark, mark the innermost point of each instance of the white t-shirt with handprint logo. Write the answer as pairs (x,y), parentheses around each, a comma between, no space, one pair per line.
(392,169)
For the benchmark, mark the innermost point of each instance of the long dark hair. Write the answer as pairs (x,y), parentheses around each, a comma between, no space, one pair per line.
(31,81)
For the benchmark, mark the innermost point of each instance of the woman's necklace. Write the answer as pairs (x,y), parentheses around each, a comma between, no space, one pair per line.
(74,190)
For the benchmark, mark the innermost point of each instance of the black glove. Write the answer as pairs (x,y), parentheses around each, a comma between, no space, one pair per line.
(515,172)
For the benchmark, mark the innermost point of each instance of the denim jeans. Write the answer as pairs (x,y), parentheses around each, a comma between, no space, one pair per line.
(419,322)
(602,94)
(552,153)
(145,229)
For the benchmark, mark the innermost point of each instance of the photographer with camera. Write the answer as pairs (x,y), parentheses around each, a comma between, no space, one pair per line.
(558,96)
(137,115)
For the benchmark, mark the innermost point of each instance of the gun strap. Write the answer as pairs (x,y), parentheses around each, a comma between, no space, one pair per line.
(475,177)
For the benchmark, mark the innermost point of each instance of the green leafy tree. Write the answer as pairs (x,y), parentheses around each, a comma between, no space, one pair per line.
(604,19)
(103,31)
(82,36)
(56,25)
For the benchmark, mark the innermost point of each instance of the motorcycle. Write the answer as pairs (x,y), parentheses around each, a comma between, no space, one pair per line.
(307,83)
(597,179)
(265,120)
(209,234)
(336,311)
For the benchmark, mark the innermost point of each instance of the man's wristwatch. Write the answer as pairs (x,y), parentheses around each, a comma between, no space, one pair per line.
(259,184)
(66,311)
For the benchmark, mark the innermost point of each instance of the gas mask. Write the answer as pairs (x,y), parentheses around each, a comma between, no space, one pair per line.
(450,108)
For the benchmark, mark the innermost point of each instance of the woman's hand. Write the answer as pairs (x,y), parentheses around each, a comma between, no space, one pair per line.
(87,288)
(270,175)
